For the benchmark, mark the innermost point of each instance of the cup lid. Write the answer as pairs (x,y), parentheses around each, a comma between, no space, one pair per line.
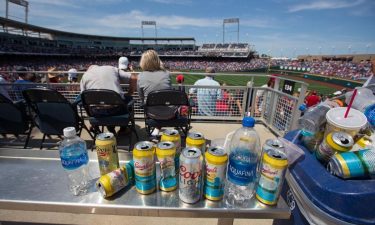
(355,120)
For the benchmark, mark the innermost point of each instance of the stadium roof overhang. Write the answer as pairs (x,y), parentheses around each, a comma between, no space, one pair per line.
(5,23)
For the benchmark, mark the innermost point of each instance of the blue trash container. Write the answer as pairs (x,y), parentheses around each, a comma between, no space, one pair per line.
(317,197)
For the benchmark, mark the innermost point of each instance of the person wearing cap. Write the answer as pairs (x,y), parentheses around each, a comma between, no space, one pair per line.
(24,81)
(180,82)
(72,76)
(312,99)
(207,97)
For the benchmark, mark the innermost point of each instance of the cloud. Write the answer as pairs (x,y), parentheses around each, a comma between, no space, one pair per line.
(67,3)
(178,2)
(134,18)
(325,4)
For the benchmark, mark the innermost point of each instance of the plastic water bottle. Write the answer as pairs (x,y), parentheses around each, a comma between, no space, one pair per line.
(74,159)
(242,171)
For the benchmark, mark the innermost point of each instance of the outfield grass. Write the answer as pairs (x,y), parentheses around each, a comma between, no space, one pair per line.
(233,80)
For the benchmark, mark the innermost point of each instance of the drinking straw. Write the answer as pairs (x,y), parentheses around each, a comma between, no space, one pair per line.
(350,103)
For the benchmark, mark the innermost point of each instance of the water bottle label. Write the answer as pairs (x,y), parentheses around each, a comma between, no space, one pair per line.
(74,162)
(241,173)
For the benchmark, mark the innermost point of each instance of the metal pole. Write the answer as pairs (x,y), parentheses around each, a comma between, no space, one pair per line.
(156,31)
(300,101)
(142,31)
(7,9)
(26,13)
(223,31)
(238,32)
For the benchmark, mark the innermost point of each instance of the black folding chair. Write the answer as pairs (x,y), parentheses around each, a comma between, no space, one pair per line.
(14,119)
(162,110)
(107,108)
(53,112)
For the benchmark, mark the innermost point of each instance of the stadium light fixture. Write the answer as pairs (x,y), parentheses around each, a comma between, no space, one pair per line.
(22,3)
(232,20)
(149,23)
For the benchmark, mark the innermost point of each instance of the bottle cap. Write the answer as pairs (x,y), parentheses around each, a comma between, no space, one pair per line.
(69,132)
(248,121)
(302,107)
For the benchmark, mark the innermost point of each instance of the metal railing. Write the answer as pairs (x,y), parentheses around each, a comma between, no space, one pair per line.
(275,109)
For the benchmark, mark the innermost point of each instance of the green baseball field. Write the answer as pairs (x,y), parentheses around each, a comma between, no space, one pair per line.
(324,88)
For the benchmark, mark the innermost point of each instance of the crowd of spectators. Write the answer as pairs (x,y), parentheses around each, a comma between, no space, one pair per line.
(342,69)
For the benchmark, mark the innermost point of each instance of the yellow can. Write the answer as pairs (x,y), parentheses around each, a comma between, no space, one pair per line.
(112,182)
(196,140)
(144,167)
(216,165)
(165,152)
(174,136)
(106,148)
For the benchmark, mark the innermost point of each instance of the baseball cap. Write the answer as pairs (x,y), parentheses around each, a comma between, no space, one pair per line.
(72,74)
(123,63)
(180,78)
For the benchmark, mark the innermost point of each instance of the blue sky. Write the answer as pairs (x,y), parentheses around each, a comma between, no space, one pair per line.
(277,27)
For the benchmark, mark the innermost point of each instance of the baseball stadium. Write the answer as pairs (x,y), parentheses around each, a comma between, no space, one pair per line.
(121,96)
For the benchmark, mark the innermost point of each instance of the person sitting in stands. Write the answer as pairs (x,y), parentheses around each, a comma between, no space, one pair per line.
(312,99)
(110,78)
(206,97)
(154,77)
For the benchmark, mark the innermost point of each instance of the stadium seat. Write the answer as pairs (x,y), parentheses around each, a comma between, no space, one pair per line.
(164,102)
(14,119)
(53,112)
(107,108)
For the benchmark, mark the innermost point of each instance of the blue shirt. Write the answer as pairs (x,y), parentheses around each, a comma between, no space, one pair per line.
(207,96)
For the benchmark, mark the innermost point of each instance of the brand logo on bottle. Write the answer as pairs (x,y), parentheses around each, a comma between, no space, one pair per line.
(241,173)
(71,163)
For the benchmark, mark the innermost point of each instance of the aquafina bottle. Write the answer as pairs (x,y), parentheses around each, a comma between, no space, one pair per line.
(242,171)
(74,159)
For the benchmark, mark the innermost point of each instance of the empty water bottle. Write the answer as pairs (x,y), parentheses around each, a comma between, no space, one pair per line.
(242,172)
(74,159)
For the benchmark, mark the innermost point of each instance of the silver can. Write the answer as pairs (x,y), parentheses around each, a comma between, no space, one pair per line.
(273,144)
(190,181)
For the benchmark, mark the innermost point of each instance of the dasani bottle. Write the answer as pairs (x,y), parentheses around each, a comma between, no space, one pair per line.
(242,171)
(74,159)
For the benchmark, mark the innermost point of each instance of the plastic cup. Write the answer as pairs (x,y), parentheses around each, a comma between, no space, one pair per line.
(351,125)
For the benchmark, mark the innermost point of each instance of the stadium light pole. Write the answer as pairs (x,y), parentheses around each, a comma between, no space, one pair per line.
(350,49)
(320,50)
(232,20)
(333,49)
(294,52)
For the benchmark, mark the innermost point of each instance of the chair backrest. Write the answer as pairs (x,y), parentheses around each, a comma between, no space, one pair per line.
(103,103)
(54,112)
(167,97)
(13,118)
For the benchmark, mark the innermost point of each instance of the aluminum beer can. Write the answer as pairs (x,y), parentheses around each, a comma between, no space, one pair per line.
(335,142)
(106,148)
(216,164)
(272,174)
(196,140)
(353,164)
(112,182)
(190,181)
(165,152)
(174,136)
(144,167)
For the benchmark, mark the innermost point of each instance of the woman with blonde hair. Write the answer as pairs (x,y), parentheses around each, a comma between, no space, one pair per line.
(154,77)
